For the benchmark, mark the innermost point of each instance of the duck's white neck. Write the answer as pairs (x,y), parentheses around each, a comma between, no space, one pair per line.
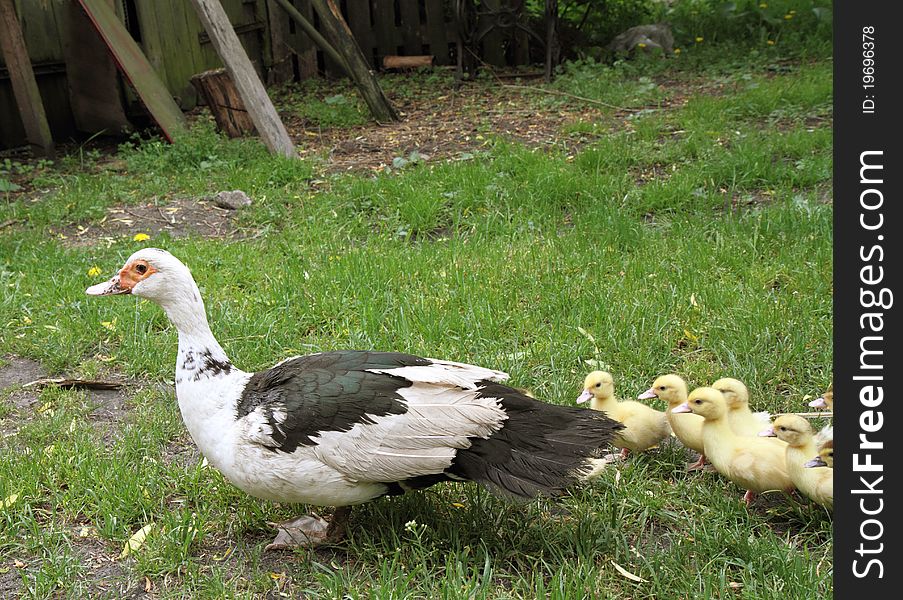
(198,349)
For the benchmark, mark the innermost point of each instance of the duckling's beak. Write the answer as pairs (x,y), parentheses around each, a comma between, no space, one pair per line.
(815,462)
(586,395)
(819,403)
(767,432)
(650,393)
(108,288)
(682,408)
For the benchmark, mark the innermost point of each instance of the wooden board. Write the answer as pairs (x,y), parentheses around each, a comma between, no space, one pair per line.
(25,86)
(136,68)
(95,93)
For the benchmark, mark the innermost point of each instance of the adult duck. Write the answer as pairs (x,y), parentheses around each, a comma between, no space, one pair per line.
(341,428)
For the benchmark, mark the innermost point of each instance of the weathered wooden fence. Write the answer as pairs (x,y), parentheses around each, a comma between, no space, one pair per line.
(69,68)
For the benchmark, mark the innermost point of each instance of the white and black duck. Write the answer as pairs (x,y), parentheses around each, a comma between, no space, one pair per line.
(341,428)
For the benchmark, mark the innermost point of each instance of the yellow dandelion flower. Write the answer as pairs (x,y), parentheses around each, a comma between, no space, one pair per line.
(770,42)
(698,40)
(140,237)
(763,5)
(93,272)
(641,45)
(788,16)
(677,51)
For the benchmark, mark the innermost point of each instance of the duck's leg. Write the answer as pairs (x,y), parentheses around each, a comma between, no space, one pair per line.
(624,453)
(699,464)
(749,496)
(338,524)
(311,530)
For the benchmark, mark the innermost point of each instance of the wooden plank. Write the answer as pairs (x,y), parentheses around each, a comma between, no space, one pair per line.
(358,18)
(94,89)
(280,67)
(135,66)
(24,84)
(387,35)
(260,108)
(437,31)
(305,49)
(410,27)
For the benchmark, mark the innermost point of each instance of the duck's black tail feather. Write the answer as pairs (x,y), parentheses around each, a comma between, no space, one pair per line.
(540,450)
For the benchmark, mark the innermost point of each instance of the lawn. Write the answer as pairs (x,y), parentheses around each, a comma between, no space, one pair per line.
(644,218)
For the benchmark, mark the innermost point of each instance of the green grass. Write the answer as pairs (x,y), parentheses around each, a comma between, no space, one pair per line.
(692,238)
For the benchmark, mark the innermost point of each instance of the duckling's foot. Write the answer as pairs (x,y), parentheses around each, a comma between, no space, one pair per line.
(699,464)
(748,497)
(624,453)
(309,531)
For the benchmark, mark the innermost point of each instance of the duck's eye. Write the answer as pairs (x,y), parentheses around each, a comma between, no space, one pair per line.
(599,384)
(697,401)
(142,269)
(661,387)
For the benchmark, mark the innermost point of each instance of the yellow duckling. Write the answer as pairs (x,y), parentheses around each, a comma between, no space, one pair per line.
(757,464)
(826,400)
(686,426)
(644,427)
(825,457)
(741,418)
(816,482)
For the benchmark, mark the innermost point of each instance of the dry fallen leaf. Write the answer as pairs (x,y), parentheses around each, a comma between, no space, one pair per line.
(627,573)
(137,540)
(9,501)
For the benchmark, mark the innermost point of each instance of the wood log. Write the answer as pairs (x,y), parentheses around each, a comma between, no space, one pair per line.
(219,93)
(407,62)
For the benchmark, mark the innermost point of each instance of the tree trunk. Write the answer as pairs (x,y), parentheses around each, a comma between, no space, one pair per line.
(339,33)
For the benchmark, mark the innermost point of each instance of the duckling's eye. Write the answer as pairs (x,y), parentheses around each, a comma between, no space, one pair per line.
(599,384)
(142,269)
(697,401)
(661,387)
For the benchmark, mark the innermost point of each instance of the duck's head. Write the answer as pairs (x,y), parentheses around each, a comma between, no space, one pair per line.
(826,400)
(704,401)
(599,385)
(734,391)
(825,456)
(149,273)
(792,429)
(671,388)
